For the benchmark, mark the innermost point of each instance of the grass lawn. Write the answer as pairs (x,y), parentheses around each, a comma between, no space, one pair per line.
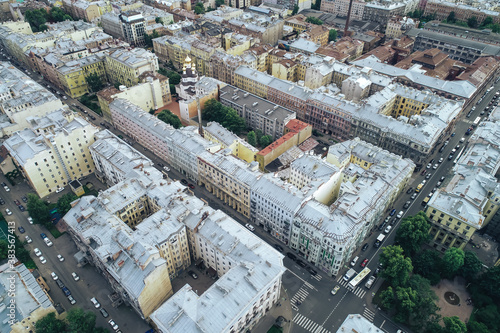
(56,233)
(275,329)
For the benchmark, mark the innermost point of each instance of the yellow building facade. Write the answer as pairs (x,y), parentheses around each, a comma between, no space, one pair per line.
(74,73)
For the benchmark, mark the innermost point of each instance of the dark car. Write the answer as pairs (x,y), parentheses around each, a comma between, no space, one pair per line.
(21,230)
(376,272)
(92,117)
(365,247)
(43,235)
(17,202)
(382,226)
(291,255)
(2,202)
(102,124)
(453,134)
(24,199)
(21,208)
(184,182)
(311,271)
(66,291)
(104,313)
(407,204)
(191,186)
(193,274)
(278,247)
(160,165)
(410,190)
(392,212)
(300,263)
(59,283)
(441,149)
(3,184)
(450,157)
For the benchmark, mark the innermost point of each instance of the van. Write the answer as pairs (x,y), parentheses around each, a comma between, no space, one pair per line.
(353,262)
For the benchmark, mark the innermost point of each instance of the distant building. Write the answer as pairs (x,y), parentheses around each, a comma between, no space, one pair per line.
(442,9)
(356,88)
(341,8)
(382,12)
(397,26)
(124,66)
(129,26)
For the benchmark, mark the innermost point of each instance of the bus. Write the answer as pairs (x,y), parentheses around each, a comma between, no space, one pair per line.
(357,280)
(476,122)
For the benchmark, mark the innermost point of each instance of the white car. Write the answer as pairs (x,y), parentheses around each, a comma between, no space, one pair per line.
(48,242)
(6,188)
(43,260)
(250,227)
(38,253)
(400,214)
(441,160)
(429,166)
(60,257)
(8,211)
(462,140)
(113,324)
(435,166)
(387,229)
(95,302)
(30,219)
(75,276)
(166,168)
(54,276)
(71,300)
(59,189)
(28,239)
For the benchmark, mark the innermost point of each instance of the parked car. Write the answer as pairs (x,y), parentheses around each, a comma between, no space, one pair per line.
(21,230)
(28,239)
(370,282)
(38,253)
(113,324)
(54,276)
(278,247)
(71,300)
(17,202)
(95,302)
(291,255)
(435,166)
(393,211)
(429,165)
(193,274)
(407,204)
(59,283)
(441,160)
(300,263)
(104,313)
(59,189)
(66,291)
(30,219)
(75,276)
(311,270)
(6,188)
(428,176)
(413,196)
(387,229)
(21,208)
(250,227)
(48,242)
(400,214)
(410,190)
(8,211)
(191,186)
(60,257)
(43,260)
(365,247)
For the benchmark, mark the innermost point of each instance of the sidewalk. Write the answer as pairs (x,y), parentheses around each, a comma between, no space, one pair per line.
(284,310)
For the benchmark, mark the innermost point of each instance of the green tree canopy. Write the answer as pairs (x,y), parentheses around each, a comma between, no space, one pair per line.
(265,141)
(413,233)
(226,116)
(332,35)
(316,5)
(472,22)
(3,249)
(451,17)
(406,303)
(397,268)
(158,19)
(38,210)
(426,307)
(387,298)
(488,20)
(427,264)
(472,266)
(252,138)
(148,38)
(199,8)
(219,3)
(37,19)
(314,20)
(489,316)
(295,9)
(80,321)
(452,261)
(64,202)
(454,325)
(94,81)
(50,324)
(477,327)
(173,77)
(168,117)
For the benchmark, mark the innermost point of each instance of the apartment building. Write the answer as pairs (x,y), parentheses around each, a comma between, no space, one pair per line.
(470,196)
(442,9)
(258,113)
(126,65)
(216,133)
(228,178)
(153,92)
(267,29)
(73,74)
(382,12)
(86,10)
(341,8)
(21,98)
(179,148)
(129,25)
(53,150)
(397,26)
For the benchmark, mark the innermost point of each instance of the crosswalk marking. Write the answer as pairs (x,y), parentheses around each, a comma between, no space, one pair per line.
(358,291)
(308,324)
(317,277)
(368,314)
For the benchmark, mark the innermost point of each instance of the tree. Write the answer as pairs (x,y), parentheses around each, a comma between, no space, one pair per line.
(151,111)
(50,324)
(452,261)
(397,268)
(148,38)
(252,138)
(80,321)
(387,298)
(173,77)
(314,20)
(226,116)
(427,264)
(454,325)
(413,233)
(451,17)
(332,35)
(219,3)
(406,300)
(295,10)
(94,81)
(64,202)
(3,249)
(168,117)
(487,21)
(158,20)
(37,19)
(472,22)
(265,141)
(38,210)
(199,8)
(477,327)
(426,307)
(316,5)
(472,266)
(489,316)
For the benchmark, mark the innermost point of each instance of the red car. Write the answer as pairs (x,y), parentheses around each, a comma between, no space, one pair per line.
(363,264)
(191,186)
(17,202)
